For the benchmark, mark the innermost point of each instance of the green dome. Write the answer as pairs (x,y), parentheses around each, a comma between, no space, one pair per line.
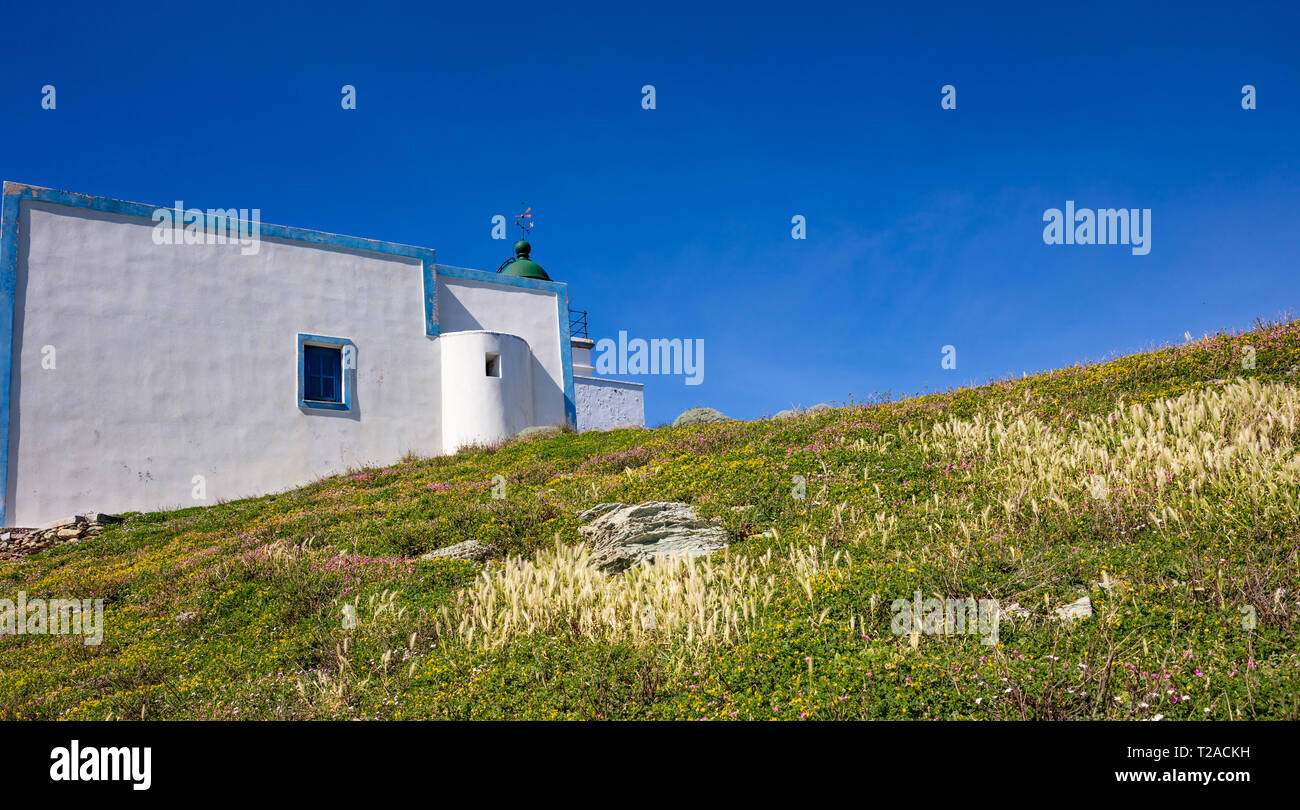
(527,268)
(523,266)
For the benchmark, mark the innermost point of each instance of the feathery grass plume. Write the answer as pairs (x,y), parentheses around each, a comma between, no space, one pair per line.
(705,601)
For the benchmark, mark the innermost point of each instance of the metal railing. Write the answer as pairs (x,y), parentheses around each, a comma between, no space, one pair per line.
(578,323)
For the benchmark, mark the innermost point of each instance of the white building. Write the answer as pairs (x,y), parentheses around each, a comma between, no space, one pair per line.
(158,357)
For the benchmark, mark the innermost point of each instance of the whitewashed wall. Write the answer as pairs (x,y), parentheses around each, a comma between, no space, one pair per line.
(582,357)
(603,404)
(174,362)
(533,315)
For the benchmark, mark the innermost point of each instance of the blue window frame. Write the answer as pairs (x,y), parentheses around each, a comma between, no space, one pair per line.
(324,378)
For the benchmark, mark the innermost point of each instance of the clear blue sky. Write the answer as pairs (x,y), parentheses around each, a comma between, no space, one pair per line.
(924,225)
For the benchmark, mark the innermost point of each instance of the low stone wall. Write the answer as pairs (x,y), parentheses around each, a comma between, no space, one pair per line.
(15,543)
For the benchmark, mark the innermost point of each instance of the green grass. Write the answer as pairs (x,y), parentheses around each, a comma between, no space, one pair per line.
(237,610)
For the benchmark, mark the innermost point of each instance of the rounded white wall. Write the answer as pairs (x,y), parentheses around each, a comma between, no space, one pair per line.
(477,405)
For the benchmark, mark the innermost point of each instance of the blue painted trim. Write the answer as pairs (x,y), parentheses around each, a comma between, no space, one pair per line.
(429,272)
(557,287)
(8,286)
(348,373)
(130,209)
(566,358)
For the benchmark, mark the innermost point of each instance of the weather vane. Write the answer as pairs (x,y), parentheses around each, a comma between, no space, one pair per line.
(524,220)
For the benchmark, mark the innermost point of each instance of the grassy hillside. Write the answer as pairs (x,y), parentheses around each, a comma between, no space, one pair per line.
(1165,486)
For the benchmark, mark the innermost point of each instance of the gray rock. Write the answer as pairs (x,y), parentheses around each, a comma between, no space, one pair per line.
(1080,608)
(620,536)
(820,408)
(471,550)
(699,416)
(596,511)
(786,414)
(98,517)
(537,430)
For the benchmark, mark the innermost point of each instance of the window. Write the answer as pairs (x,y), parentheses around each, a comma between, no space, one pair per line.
(494,365)
(324,373)
(324,364)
